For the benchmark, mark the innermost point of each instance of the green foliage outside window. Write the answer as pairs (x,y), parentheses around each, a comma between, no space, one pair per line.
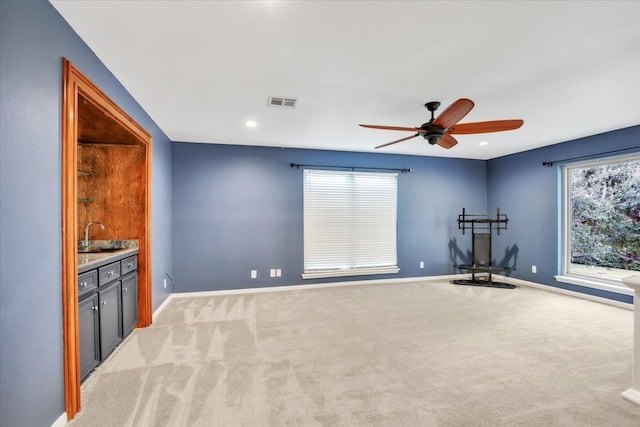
(605,215)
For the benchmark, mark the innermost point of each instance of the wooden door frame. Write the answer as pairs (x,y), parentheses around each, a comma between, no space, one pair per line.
(75,84)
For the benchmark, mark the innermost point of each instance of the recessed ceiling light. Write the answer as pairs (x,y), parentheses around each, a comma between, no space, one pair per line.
(251,123)
(481,143)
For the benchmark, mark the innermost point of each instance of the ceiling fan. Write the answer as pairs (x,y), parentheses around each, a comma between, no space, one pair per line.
(440,130)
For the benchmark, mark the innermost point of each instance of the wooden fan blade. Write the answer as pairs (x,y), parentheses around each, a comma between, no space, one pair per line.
(447,141)
(392,128)
(397,140)
(485,127)
(454,113)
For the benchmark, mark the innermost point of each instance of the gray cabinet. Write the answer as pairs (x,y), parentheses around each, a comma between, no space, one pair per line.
(128,265)
(108,310)
(129,303)
(108,273)
(89,333)
(87,283)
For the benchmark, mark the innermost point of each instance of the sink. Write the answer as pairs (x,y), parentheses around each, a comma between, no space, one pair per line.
(101,250)
(105,246)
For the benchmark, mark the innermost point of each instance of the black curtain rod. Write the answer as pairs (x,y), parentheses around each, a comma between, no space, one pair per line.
(351,168)
(588,156)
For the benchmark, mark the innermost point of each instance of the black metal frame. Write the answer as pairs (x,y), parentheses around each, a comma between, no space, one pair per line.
(482,227)
(589,156)
(351,168)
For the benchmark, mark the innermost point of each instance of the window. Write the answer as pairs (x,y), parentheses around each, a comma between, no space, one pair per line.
(350,222)
(601,221)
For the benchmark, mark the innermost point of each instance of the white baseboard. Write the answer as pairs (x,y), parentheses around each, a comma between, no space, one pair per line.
(313,286)
(160,308)
(61,421)
(632,395)
(383,281)
(564,291)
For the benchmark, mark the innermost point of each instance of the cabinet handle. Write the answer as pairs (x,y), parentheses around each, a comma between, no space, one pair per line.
(103,302)
(110,273)
(83,284)
(124,289)
(129,265)
(95,308)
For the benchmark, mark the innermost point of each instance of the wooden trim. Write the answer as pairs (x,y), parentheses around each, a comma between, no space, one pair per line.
(75,84)
(69,247)
(145,312)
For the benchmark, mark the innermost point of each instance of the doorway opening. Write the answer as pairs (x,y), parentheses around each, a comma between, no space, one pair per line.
(92,122)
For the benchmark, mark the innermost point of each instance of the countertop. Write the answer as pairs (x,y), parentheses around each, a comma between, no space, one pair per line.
(89,261)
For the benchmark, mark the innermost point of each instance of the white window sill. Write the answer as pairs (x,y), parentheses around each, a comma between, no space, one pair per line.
(586,282)
(355,272)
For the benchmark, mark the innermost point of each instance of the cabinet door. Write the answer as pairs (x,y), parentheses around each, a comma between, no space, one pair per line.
(129,303)
(89,331)
(110,318)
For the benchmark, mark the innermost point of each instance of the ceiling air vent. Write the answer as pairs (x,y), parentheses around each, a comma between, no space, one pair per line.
(281,102)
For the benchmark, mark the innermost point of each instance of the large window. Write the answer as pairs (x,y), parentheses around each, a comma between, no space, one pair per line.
(350,222)
(601,239)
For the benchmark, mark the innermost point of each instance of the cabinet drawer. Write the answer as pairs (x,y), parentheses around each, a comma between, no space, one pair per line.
(129,264)
(108,273)
(87,282)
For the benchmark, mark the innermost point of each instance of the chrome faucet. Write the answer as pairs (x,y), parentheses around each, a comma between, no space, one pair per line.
(84,245)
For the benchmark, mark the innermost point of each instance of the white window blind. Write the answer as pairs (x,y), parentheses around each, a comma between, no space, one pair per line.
(350,223)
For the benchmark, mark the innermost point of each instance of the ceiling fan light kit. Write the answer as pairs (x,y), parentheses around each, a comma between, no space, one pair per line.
(440,130)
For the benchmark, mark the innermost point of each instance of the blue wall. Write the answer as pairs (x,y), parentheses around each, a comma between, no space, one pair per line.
(529,193)
(234,208)
(33,40)
(239,208)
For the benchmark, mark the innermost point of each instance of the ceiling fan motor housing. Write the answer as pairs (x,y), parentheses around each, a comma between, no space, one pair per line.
(432,133)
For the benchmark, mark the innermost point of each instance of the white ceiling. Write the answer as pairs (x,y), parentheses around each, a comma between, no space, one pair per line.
(201,69)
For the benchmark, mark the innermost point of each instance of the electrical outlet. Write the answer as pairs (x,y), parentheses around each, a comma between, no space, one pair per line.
(534,269)
(272,272)
(421,264)
(278,273)
(254,274)
(165,283)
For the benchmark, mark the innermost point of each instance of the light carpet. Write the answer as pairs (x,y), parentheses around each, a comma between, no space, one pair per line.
(426,353)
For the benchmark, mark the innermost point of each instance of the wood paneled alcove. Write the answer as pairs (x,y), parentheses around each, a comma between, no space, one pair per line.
(106,177)
(111,190)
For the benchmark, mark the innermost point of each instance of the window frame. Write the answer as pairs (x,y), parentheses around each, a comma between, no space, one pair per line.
(313,272)
(565,276)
